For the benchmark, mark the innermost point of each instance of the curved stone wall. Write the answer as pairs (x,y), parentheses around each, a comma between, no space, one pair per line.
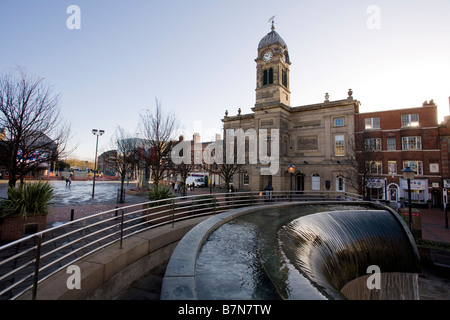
(330,249)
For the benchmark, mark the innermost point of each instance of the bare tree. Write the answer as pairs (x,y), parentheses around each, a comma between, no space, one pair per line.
(35,134)
(364,164)
(183,168)
(228,165)
(227,170)
(126,155)
(158,128)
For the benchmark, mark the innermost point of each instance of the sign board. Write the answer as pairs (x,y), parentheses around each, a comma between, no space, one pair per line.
(446,183)
(416,184)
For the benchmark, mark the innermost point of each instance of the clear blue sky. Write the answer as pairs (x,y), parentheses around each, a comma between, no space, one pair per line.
(197,57)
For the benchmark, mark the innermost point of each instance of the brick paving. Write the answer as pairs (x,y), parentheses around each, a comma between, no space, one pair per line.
(433,225)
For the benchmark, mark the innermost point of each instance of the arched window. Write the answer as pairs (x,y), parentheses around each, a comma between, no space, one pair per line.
(245,178)
(265,78)
(270,76)
(315,181)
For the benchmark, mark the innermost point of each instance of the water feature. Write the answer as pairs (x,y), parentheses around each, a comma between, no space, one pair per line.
(307,251)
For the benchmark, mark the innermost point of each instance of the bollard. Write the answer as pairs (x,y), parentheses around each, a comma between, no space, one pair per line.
(446,217)
(72,211)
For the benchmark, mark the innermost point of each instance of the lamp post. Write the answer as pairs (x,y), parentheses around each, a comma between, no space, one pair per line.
(291,170)
(408,174)
(97,133)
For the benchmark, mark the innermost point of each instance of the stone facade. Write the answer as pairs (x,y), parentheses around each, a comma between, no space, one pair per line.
(324,141)
(315,138)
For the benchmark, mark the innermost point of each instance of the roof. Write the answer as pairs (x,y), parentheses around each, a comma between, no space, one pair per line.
(271,38)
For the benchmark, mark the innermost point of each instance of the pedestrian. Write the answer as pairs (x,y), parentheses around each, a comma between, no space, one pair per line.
(175,188)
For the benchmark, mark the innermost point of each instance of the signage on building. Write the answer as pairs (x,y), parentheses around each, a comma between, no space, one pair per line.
(375,183)
(446,183)
(416,184)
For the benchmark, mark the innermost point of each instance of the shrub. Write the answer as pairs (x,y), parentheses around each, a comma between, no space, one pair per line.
(28,199)
(160,192)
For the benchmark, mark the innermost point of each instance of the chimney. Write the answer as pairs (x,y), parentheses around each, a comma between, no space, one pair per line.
(196,137)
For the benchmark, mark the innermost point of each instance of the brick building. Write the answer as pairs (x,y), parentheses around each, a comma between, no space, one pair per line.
(395,139)
(444,138)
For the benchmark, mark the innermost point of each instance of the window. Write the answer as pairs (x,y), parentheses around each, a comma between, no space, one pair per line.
(340,183)
(391,144)
(374,167)
(412,143)
(392,167)
(372,123)
(245,178)
(267,77)
(339,145)
(339,122)
(417,166)
(284,78)
(315,181)
(410,120)
(372,144)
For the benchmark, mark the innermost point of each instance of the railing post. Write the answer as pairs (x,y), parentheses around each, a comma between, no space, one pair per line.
(173,213)
(214,204)
(121,229)
(36,265)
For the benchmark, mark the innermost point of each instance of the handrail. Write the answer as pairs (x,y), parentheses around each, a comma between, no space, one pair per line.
(42,254)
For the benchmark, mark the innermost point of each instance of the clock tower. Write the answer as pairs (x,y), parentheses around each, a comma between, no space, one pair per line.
(272,72)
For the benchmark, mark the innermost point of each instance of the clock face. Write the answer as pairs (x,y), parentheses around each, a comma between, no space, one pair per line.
(268,55)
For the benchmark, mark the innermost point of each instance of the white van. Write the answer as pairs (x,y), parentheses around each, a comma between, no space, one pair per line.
(198,182)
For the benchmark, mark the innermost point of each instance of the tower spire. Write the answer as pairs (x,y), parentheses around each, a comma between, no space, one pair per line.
(273,22)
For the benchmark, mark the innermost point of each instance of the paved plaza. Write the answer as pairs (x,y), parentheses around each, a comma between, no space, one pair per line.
(433,283)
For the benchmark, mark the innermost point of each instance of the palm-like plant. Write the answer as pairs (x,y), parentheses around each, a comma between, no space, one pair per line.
(160,192)
(27,200)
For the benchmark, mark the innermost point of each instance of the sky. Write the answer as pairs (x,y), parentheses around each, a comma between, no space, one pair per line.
(112,59)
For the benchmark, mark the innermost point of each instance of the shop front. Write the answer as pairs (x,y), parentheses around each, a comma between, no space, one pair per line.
(419,190)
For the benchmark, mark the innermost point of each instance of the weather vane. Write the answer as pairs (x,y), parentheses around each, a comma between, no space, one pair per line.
(272,19)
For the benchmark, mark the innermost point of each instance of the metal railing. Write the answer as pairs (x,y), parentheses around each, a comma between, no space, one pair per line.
(28,261)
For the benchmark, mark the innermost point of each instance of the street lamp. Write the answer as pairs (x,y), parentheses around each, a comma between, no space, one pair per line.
(408,174)
(97,133)
(291,170)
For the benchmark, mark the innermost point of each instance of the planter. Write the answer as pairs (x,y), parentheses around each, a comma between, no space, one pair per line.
(13,228)
(416,221)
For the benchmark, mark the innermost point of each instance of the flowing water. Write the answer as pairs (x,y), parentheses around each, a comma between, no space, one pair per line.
(300,252)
